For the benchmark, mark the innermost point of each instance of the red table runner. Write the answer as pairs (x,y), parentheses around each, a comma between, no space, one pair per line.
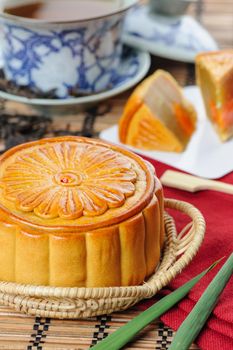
(217,209)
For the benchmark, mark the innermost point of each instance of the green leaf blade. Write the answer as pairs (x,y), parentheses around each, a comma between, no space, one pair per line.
(124,334)
(194,322)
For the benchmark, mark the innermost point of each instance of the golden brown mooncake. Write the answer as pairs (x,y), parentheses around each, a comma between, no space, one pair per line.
(157,116)
(78,212)
(215,78)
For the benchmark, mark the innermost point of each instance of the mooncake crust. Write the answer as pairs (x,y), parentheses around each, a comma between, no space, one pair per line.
(130,206)
(118,247)
(214,73)
(157,115)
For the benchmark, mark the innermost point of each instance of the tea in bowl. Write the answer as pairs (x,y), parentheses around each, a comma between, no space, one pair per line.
(63,45)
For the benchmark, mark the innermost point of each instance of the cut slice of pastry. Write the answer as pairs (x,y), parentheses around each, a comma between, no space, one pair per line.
(147,132)
(157,116)
(215,77)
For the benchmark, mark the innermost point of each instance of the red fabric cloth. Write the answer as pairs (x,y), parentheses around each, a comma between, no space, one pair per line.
(217,209)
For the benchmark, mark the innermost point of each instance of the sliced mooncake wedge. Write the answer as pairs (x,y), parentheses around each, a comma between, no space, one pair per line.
(172,117)
(215,78)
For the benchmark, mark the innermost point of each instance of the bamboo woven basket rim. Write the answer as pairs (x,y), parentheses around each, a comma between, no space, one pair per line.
(75,302)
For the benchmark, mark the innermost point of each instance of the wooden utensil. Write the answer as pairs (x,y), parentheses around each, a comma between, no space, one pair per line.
(192,183)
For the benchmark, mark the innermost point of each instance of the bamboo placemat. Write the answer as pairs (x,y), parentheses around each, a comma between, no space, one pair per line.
(20,332)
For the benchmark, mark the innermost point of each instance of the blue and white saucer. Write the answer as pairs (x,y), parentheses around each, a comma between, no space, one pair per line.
(178,38)
(134,66)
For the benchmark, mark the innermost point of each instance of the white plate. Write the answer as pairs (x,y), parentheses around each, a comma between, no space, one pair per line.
(179,38)
(133,68)
(205,155)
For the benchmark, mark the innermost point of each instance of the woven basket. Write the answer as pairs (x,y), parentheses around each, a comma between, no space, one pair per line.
(57,302)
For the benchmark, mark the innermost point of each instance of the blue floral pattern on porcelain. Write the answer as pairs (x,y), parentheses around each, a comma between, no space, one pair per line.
(180,37)
(86,57)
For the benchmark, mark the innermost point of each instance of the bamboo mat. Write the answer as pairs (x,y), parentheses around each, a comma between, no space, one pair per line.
(18,332)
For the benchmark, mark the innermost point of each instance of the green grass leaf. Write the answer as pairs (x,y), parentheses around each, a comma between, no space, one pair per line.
(125,333)
(194,322)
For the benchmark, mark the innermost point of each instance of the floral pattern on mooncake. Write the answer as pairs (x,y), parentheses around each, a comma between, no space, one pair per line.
(68,180)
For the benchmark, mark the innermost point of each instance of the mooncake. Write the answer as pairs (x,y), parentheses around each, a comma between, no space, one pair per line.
(78,212)
(157,116)
(215,78)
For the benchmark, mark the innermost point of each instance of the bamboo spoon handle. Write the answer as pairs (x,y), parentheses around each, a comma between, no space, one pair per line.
(192,183)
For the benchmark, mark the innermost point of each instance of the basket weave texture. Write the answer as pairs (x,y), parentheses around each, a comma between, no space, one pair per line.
(57,302)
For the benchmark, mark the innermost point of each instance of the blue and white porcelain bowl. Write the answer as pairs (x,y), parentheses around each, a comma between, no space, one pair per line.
(79,54)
